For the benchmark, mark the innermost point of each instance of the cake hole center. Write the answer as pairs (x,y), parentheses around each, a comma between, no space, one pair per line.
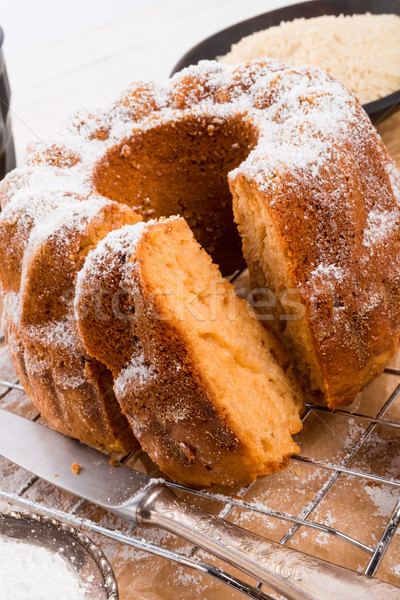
(181,167)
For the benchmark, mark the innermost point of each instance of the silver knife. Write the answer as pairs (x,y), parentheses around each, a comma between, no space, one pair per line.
(148,502)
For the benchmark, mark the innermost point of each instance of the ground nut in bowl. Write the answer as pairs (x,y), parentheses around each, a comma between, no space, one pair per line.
(44,558)
(365,56)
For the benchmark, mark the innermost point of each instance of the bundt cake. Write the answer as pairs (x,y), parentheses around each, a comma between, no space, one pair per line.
(315,198)
(198,377)
(43,242)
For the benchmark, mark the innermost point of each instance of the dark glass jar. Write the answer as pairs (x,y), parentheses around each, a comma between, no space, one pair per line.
(7,152)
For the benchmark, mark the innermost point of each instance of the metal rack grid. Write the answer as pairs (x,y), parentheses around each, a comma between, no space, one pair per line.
(190,559)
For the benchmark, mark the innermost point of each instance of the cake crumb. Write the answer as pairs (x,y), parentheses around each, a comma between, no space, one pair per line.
(113,462)
(76,468)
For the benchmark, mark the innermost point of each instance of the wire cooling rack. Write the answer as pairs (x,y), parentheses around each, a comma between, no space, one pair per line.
(190,559)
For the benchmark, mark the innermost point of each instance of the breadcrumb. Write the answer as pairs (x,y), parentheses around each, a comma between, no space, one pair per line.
(76,468)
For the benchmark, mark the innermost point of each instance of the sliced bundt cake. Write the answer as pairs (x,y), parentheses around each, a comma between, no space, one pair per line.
(315,197)
(207,390)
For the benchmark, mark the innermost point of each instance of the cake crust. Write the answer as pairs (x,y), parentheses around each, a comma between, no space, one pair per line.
(163,388)
(71,389)
(315,199)
(332,241)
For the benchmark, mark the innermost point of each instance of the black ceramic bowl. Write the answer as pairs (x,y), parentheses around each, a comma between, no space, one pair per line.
(220,43)
(7,152)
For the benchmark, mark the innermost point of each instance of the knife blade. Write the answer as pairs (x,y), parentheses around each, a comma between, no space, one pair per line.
(50,455)
(139,498)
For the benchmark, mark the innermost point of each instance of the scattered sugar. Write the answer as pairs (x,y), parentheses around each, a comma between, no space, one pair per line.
(384,499)
(71,216)
(379,451)
(396,569)
(57,334)
(136,373)
(322,539)
(360,569)
(186,578)
(356,428)
(328,272)
(198,584)
(106,255)
(329,519)
(33,572)
(380,225)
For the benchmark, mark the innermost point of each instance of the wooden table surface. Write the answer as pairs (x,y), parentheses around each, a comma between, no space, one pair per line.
(47,85)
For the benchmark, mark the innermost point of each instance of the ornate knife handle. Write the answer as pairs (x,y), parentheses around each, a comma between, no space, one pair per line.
(295,575)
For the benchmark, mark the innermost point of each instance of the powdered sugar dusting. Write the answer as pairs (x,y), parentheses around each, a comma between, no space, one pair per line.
(106,254)
(30,571)
(297,112)
(384,499)
(51,349)
(136,373)
(302,118)
(380,225)
(59,335)
(71,216)
(124,239)
(328,271)
(10,320)
(11,307)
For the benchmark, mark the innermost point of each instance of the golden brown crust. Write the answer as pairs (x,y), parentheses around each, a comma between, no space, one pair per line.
(160,385)
(72,390)
(346,282)
(312,176)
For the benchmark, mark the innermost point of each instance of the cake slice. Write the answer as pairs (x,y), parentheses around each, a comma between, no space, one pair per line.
(207,390)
